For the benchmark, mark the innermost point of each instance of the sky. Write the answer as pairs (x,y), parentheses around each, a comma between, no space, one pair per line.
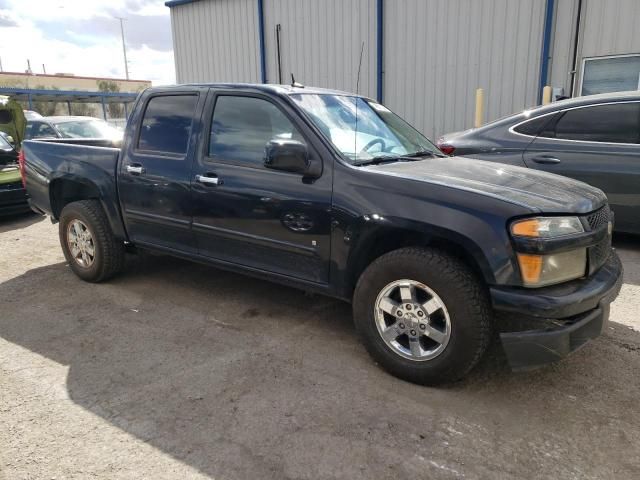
(83,37)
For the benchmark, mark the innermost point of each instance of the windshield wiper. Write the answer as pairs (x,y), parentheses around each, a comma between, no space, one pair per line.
(378,161)
(409,157)
(424,153)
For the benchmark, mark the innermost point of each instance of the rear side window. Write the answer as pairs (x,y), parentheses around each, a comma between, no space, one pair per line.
(39,130)
(166,125)
(534,126)
(613,123)
(242,127)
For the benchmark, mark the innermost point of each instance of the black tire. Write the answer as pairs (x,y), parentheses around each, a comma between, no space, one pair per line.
(109,253)
(464,296)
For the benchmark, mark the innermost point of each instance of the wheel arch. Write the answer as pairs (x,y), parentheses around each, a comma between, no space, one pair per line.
(378,240)
(65,190)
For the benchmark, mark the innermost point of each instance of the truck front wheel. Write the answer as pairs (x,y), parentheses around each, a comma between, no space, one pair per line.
(423,315)
(88,243)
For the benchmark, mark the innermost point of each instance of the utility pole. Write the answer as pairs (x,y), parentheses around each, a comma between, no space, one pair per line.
(124,47)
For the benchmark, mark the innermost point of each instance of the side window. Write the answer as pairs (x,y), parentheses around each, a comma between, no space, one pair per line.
(40,130)
(534,126)
(166,124)
(242,127)
(613,123)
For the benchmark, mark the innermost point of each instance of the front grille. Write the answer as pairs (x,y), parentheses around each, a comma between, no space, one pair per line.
(599,253)
(599,218)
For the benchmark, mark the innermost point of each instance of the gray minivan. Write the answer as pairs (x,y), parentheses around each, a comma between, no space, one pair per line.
(595,139)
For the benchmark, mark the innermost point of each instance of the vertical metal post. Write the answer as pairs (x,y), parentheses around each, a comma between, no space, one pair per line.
(263,65)
(69,107)
(380,50)
(546,46)
(278,54)
(124,47)
(104,108)
(479,108)
(30,101)
(126,110)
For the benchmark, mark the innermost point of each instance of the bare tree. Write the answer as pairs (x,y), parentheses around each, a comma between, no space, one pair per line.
(115,110)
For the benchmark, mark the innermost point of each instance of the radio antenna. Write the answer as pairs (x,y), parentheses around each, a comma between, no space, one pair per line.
(294,83)
(355,133)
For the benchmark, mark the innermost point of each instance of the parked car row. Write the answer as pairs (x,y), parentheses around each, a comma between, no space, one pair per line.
(70,127)
(595,139)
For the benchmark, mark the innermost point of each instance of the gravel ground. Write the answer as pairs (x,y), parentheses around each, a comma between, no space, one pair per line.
(176,370)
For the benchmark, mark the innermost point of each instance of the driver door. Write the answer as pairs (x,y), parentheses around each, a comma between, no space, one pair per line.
(248,214)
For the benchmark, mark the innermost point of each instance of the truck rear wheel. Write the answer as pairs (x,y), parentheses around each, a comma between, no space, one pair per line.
(423,315)
(88,243)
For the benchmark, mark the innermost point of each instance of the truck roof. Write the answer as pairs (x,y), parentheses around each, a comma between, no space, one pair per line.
(263,87)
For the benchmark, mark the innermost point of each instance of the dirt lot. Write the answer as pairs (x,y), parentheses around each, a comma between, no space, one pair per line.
(175,370)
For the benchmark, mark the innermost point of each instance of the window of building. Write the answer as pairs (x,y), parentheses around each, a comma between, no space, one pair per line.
(242,127)
(166,125)
(610,74)
(612,123)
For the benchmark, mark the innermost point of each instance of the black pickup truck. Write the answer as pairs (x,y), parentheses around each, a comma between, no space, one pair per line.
(333,193)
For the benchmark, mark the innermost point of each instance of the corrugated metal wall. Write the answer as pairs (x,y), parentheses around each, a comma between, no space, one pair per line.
(607,28)
(438,52)
(216,41)
(563,40)
(321,42)
(610,27)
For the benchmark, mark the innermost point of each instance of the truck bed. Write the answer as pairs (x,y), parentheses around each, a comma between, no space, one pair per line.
(68,164)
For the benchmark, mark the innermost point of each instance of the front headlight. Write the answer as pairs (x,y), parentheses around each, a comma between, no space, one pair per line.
(546,227)
(540,270)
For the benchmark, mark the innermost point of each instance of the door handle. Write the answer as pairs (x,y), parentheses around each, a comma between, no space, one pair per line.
(135,169)
(208,180)
(546,159)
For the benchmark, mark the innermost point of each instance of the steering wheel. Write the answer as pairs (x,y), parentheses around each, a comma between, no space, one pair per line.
(373,142)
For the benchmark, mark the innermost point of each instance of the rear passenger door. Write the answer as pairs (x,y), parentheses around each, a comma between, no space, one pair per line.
(154,178)
(250,215)
(600,145)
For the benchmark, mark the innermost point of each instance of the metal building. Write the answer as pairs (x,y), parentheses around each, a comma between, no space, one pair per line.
(423,58)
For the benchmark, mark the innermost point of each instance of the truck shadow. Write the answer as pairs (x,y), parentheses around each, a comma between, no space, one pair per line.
(241,378)
(23,220)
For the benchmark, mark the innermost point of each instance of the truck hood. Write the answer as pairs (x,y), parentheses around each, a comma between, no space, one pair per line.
(538,191)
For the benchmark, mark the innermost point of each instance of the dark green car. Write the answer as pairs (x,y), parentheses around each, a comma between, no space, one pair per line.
(13,196)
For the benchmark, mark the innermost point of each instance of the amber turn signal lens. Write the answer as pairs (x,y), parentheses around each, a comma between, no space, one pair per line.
(530,267)
(526,228)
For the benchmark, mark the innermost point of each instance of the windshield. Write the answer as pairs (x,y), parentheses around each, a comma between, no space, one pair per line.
(88,129)
(374,133)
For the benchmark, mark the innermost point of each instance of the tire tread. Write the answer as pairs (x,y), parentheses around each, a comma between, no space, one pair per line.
(475,296)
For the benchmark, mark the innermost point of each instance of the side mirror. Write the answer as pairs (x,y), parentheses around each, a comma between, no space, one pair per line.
(291,156)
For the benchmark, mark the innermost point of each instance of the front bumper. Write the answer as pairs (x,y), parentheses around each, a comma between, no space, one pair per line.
(552,322)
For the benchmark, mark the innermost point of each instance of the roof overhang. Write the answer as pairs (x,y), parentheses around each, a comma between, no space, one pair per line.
(74,96)
(176,3)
